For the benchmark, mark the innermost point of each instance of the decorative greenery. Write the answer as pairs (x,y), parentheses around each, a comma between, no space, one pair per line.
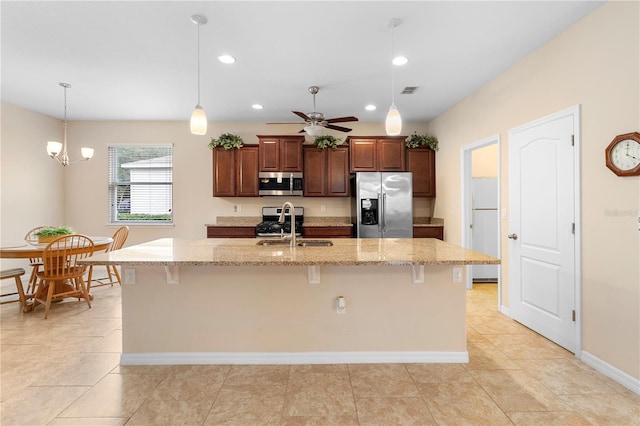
(327,141)
(54,232)
(416,141)
(227,141)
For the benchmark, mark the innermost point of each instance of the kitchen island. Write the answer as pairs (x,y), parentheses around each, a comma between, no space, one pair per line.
(234,301)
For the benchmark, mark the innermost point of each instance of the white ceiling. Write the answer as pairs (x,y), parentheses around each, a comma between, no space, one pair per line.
(138,60)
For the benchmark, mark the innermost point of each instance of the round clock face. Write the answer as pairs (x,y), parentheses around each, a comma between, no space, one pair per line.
(625,155)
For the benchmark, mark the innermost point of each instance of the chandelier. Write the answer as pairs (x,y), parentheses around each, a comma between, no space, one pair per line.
(57,150)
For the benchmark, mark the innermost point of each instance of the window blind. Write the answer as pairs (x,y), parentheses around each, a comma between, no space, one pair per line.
(140,184)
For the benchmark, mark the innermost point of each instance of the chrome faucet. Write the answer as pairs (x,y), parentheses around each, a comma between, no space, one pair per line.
(293,220)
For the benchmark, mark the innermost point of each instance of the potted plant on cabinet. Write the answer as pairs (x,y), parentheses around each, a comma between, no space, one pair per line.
(417,141)
(327,141)
(48,234)
(226,141)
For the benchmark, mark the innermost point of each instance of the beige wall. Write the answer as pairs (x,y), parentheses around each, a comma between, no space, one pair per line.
(32,189)
(484,162)
(594,64)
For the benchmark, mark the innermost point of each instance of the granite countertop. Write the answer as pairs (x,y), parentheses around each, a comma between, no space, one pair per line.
(245,252)
(324,221)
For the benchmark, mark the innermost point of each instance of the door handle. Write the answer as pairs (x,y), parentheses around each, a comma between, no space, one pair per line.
(512,236)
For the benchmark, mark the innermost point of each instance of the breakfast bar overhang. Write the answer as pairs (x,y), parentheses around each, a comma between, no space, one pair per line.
(230,301)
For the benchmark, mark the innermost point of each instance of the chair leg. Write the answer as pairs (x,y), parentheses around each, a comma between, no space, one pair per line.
(33,279)
(23,300)
(83,288)
(117,274)
(49,297)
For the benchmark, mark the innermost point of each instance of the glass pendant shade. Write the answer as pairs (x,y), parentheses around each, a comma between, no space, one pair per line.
(314,130)
(393,124)
(54,148)
(87,153)
(198,121)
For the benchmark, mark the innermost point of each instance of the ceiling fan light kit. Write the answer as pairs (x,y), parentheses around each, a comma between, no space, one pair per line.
(393,123)
(198,122)
(57,150)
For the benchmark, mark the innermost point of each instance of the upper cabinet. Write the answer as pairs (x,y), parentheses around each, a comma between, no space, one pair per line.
(235,172)
(280,153)
(326,172)
(377,153)
(422,163)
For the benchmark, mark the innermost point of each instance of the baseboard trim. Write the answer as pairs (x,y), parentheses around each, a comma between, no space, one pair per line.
(504,310)
(612,372)
(177,358)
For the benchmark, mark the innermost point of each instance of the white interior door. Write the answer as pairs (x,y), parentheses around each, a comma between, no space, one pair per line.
(542,279)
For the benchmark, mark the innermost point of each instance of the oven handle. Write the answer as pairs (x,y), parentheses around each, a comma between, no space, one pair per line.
(291,185)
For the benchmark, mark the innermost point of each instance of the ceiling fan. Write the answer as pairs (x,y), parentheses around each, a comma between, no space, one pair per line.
(316,122)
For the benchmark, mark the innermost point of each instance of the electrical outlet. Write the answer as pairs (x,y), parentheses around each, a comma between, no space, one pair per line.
(323,208)
(457,275)
(129,275)
(237,208)
(341,306)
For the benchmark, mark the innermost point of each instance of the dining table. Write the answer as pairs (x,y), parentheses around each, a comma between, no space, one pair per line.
(30,250)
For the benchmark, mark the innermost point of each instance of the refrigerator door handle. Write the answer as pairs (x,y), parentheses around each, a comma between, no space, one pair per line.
(383,208)
(380,214)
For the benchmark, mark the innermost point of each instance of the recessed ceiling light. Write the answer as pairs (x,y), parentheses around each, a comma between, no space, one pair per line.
(370,107)
(256,106)
(226,59)
(400,60)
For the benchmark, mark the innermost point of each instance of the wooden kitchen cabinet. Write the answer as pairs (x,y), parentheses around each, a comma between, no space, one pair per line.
(327,231)
(326,172)
(377,153)
(428,232)
(421,162)
(231,231)
(280,153)
(235,172)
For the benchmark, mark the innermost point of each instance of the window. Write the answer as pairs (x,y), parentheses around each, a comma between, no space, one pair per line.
(141,184)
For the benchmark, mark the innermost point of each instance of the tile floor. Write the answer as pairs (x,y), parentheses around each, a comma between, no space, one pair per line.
(65,371)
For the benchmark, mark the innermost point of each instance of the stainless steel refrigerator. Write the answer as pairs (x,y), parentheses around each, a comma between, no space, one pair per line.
(382,204)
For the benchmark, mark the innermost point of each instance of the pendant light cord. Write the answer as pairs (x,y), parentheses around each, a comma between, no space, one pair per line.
(64,126)
(393,98)
(198,63)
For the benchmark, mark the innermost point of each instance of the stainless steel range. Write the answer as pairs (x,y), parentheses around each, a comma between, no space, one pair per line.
(270,227)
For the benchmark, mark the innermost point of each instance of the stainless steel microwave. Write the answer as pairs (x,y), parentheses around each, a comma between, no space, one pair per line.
(280,183)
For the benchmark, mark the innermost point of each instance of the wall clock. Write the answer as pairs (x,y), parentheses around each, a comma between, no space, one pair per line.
(623,155)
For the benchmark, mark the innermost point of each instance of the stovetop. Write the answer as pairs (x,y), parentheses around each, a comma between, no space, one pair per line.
(271,227)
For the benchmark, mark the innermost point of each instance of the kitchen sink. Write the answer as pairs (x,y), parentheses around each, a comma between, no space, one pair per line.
(299,243)
(314,243)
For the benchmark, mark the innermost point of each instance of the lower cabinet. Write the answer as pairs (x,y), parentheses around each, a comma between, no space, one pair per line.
(231,231)
(235,172)
(428,232)
(327,231)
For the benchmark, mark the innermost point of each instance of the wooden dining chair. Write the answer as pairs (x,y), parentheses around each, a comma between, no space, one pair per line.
(15,273)
(34,262)
(62,275)
(113,275)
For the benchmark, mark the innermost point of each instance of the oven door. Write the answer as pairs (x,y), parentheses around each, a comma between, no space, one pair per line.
(280,183)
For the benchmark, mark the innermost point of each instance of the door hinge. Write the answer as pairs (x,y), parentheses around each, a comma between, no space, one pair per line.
(573,140)
(573,228)
(573,315)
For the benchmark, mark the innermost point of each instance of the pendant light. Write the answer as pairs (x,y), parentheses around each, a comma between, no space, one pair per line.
(198,118)
(57,150)
(393,123)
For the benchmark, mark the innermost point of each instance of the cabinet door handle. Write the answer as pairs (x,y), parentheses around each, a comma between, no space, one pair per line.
(512,236)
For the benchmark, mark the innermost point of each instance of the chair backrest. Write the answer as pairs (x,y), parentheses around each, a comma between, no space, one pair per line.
(60,257)
(119,237)
(31,236)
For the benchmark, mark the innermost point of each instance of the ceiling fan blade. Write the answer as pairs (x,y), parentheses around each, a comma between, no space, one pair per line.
(342,119)
(301,115)
(339,128)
